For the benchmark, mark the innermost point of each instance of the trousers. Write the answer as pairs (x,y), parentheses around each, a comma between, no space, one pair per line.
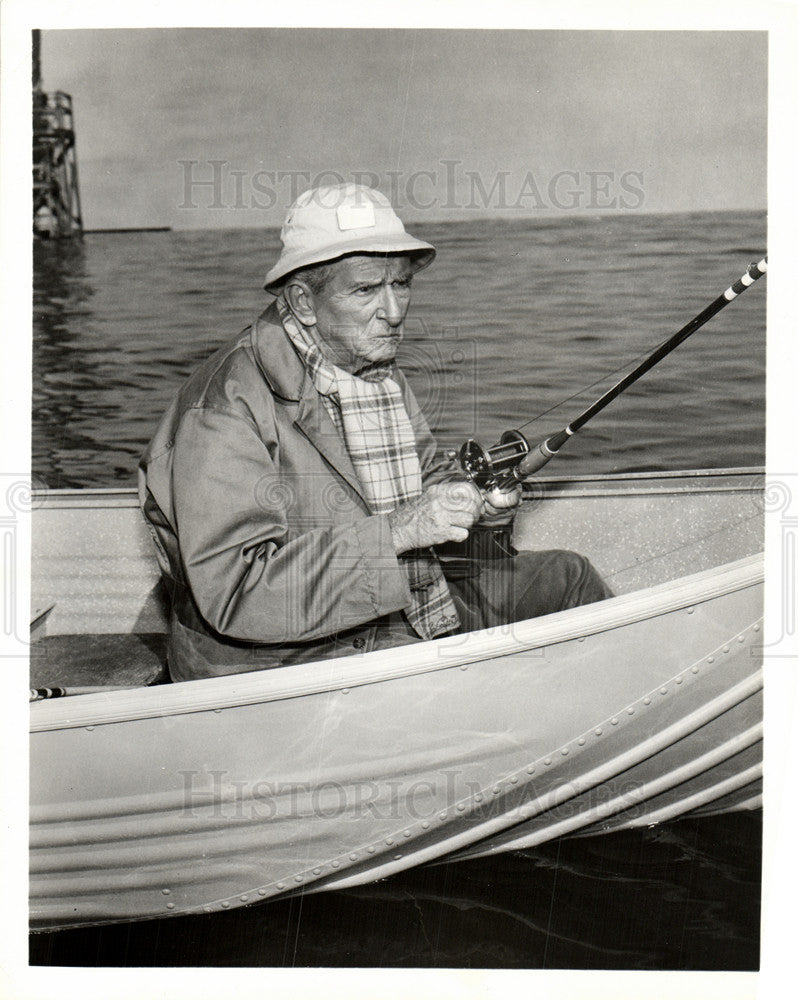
(527,585)
(499,591)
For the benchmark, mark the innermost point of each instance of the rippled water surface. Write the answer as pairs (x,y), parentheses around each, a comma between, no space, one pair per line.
(679,896)
(513,318)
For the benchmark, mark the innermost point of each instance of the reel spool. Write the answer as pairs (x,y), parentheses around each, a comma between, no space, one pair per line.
(488,467)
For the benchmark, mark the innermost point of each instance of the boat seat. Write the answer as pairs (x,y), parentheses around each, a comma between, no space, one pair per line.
(118,660)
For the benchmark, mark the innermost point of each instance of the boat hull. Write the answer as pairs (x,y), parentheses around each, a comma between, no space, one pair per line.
(215,794)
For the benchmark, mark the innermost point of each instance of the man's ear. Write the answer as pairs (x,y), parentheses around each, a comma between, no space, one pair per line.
(300,301)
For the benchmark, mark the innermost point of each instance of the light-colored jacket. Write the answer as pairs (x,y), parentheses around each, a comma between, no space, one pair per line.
(265,542)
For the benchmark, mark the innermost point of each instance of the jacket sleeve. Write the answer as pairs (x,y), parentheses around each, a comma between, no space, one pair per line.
(253,575)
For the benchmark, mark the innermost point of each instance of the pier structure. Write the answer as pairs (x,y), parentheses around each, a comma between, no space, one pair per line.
(56,195)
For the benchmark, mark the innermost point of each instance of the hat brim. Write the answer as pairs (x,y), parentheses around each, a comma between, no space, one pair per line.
(422,255)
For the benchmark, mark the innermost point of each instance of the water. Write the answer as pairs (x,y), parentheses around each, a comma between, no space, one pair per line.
(679,896)
(514,317)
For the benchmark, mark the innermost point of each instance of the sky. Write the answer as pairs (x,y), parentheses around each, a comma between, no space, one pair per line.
(197,128)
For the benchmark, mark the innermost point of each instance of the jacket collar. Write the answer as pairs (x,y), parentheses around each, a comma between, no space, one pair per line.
(276,356)
(286,376)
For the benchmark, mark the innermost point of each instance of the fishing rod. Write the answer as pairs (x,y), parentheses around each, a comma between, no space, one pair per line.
(501,467)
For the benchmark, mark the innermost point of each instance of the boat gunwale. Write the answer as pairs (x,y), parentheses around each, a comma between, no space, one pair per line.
(340,673)
(637,483)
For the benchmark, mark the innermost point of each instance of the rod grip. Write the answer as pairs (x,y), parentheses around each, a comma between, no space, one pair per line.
(538,457)
(533,461)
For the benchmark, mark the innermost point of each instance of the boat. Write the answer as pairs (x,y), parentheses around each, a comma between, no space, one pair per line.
(151,799)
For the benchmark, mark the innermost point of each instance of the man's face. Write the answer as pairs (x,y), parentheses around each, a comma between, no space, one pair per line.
(361,310)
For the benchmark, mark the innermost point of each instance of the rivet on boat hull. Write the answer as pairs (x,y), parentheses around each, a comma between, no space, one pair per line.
(244,899)
(261,892)
(646,700)
(694,669)
(170,906)
(225,904)
(547,761)
(336,864)
(756,628)
(679,680)
(317,871)
(425,824)
(372,849)
(166,892)
(281,885)
(353,857)
(598,731)
(514,779)
(297,878)
(726,649)
(564,751)
(630,710)
(613,722)
(663,690)
(581,741)
(407,833)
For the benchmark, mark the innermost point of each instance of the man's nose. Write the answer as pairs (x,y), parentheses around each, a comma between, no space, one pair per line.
(391,308)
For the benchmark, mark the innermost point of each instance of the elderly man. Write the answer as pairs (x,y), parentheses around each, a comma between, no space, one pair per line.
(294,489)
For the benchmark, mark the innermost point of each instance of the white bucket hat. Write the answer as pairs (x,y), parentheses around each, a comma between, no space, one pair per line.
(326,223)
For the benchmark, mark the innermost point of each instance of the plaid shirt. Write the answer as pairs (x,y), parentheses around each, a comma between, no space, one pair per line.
(370,415)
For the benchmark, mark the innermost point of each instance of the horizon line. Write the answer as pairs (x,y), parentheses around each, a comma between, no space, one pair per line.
(413,220)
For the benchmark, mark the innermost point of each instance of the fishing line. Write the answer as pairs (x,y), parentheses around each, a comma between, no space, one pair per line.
(592,385)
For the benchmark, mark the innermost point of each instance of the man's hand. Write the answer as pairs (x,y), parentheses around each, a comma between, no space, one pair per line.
(499,502)
(443,513)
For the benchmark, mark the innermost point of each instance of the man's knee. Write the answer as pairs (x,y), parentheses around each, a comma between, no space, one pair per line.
(557,579)
(582,583)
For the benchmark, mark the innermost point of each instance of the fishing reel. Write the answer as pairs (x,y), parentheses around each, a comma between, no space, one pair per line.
(489,468)
(497,471)
(494,470)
